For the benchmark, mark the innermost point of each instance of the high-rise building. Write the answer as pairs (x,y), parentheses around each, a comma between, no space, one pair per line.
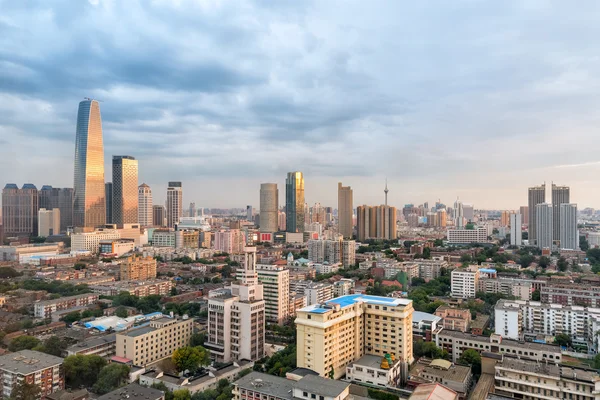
(505,218)
(249,213)
(469,212)
(524,211)
(58,198)
(560,195)
(276,286)
(345,210)
(158,215)
(333,334)
(281,223)
(89,202)
(174,203)
(536,195)
(145,207)
(459,218)
(441,218)
(20,210)
(137,268)
(377,222)
(108,195)
(269,205)
(230,241)
(515,229)
(48,222)
(294,202)
(569,236)
(543,225)
(125,190)
(236,316)
(192,210)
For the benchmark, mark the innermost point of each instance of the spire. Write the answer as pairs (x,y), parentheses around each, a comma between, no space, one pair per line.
(386,191)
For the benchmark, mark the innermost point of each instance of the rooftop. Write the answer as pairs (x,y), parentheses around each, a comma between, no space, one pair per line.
(26,362)
(369,360)
(133,391)
(505,342)
(272,385)
(557,371)
(61,299)
(93,342)
(138,331)
(440,369)
(349,300)
(419,316)
(433,391)
(322,386)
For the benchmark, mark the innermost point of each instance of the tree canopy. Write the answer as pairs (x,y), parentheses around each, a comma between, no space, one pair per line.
(190,358)
(82,369)
(111,377)
(23,343)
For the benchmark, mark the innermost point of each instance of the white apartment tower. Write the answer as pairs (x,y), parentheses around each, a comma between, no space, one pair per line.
(145,205)
(569,237)
(174,203)
(543,225)
(276,288)
(515,229)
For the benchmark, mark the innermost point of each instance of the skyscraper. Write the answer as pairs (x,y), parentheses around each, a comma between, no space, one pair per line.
(543,225)
(158,215)
(536,195)
(58,198)
(192,210)
(125,190)
(249,213)
(345,210)
(145,216)
(515,229)
(560,195)
(108,195)
(294,202)
(20,210)
(524,211)
(89,203)
(569,237)
(174,203)
(269,204)
(459,218)
(377,222)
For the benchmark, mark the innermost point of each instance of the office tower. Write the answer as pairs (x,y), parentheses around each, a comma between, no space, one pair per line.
(174,203)
(330,336)
(468,212)
(20,210)
(536,195)
(505,218)
(569,236)
(345,226)
(560,195)
(58,198)
(426,206)
(281,223)
(543,225)
(192,210)
(236,316)
(524,211)
(108,195)
(515,229)
(441,218)
(249,213)
(145,207)
(125,190)
(158,215)
(294,202)
(269,204)
(276,287)
(138,268)
(89,202)
(48,222)
(459,218)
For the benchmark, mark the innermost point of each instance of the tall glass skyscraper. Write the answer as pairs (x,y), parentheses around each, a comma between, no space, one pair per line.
(89,205)
(294,202)
(125,190)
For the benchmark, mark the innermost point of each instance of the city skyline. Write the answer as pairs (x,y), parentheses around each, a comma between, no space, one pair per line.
(326,86)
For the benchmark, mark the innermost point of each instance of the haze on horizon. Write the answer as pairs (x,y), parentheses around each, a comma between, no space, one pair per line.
(465,98)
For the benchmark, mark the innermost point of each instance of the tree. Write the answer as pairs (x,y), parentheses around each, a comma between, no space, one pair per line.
(544,262)
(465,258)
(8,272)
(526,260)
(173,291)
(182,394)
(121,312)
(197,339)
(597,361)
(562,264)
(23,343)
(535,296)
(426,253)
(187,359)
(584,245)
(428,349)
(563,340)
(473,358)
(111,377)
(72,317)
(26,391)
(54,346)
(82,370)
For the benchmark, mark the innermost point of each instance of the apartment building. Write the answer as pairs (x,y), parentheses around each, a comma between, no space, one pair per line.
(375,370)
(332,251)
(466,236)
(464,282)
(431,269)
(519,288)
(411,269)
(571,294)
(275,280)
(343,287)
(297,301)
(136,288)
(318,292)
(103,346)
(334,334)
(230,241)
(236,316)
(90,241)
(41,369)
(154,342)
(44,309)
(456,377)
(138,268)
(454,319)
(455,343)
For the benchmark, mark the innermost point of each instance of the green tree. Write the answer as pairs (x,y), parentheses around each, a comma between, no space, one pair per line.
(597,361)
(564,340)
(197,339)
(173,291)
(466,258)
(584,245)
(26,391)
(23,343)
(562,264)
(54,346)
(544,262)
(427,253)
(82,370)
(8,272)
(72,317)
(182,394)
(535,296)
(526,260)
(190,358)
(162,387)
(473,358)
(121,312)
(111,377)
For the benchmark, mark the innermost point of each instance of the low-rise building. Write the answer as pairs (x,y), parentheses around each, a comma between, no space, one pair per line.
(44,309)
(140,289)
(40,369)
(343,287)
(23,252)
(467,236)
(424,324)
(519,288)
(117,247)
(456,377)
(464,282)
(90,241)
(455,319)
(571,294)
(375,370)
(103,346)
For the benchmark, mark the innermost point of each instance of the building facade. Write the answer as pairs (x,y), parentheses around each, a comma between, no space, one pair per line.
(536,195)
(568,234)
(20,210)
(543,225)
(275,280)
(44,309)
(58,198)
(174,203)
(48,222)
(158,216)
(345,211)
(90,241)
(108,195)
(377,222)
(33,367)
(294,202)
(145,207)
(269,207)
(318,292)
(560,195)
(125,190)
(464,283)
(569,294)
(515,230)
(138,268)
(466,236)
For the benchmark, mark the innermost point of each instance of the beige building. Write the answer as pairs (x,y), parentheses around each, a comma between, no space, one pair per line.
(90,241)
(174,209)
(125,190)
(44,309)
(276,286)
(454,319)
(456,377)
(41,369)
(138,268)
(345,226)
(48,222)
(145,205)
(377,222)
(20,210)
(269,207)
(341,331)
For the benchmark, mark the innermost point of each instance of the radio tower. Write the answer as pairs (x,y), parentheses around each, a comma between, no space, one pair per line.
(386,191)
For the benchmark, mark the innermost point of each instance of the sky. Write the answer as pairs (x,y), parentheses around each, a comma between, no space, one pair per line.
(444,99)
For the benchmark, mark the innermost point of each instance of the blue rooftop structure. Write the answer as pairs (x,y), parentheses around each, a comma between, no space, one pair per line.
(488,270)
(11,186)
(29,186)
(345,301)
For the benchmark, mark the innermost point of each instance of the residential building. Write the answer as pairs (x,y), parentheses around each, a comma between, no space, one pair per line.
(536,195)
(41,369)
(236,316)
(275,280)
(269,207)
(294,202)
(464,282)
(44,309)
(163,238)
(459,216)
(467,236)
(455,319)
(174,203)
(145,207)
(568,234)
(424,324)
(230,241)
(188,239)
(543,225)
(519,288)
(137,268)
(20,210)
(515,230)
(206,239)
(158,216)
(360,324)
(504,218)
(524,211)
(125,190)
(375,370)
(135,288)
(377,222)
(456,377)
(431,269)
(560,195)
(571,294)
(48,222)
(343,287)
(108,195)
(60,199)
(345,225)
(89,202)
(332,251)
(154,342)
(132,391)
(90,241)
(318,292)
(103,346)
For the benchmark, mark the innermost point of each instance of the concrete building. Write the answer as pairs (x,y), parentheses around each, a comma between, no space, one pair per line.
(524,211)
(519,288)
(116,247)
(23,253)
(332,251)
(135,288)
(20,210)
(145,207)
(163,238)
(543,225)
(455,319)
(108,195)
(515,230)
(132,391)
(48,222)
(60,199)
(174,208)
(103,346)
(318,292)
(375,370)
(187,239)
(345,225)
(504,218)
(466,236)
(343,287)
(230,241)
(158,216)
(137,268)
(125,190)
(34,367)
(377,222)
(294,202)
(536,195)
(568,234)
(571,294)
(275,280)
(334,334)
(428,391)
(464,282)
(269,207)
(236,316)
(456,377)
(90,241)
(560,195)
(44,309)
